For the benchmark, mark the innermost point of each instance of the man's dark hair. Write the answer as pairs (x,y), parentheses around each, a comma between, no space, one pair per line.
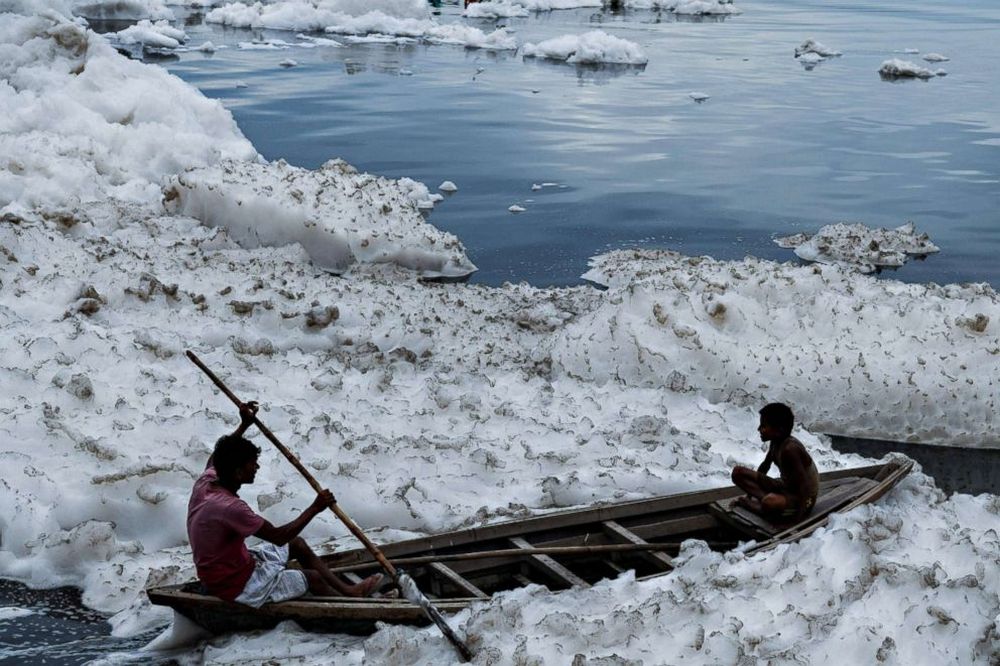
(231,452)
(779,416)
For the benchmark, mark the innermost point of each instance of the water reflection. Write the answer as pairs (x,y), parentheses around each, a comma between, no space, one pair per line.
(596,73)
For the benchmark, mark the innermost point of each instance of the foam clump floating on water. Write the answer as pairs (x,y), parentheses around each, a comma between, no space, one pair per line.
(895,68)
(859,246)
(590,48)
(157,35)
(380,20)
(494,10)
(388,16)
(341,217)
(812,47)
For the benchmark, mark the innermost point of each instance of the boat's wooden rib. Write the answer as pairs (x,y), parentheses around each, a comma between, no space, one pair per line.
(481,560)
(550,567)
(618,533)
(460,583)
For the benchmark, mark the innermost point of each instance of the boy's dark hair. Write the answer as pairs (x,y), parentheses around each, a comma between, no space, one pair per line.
(779,416)
(231,452)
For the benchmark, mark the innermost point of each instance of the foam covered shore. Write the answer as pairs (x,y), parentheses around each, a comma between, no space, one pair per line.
(428,407)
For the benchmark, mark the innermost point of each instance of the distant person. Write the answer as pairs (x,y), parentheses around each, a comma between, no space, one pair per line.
(791,497)
(219,522)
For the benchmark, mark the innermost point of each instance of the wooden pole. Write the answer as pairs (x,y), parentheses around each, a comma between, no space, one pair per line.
(403,581)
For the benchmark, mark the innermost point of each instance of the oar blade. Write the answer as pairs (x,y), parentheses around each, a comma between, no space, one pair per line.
(414,595)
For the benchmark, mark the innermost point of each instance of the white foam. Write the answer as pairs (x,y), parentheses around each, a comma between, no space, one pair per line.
(895,68)
(341,217)
(860,246)
(494,10)
(812,47)
(159,35)
(854,354)
(14,613)
(594,47)
(381,21)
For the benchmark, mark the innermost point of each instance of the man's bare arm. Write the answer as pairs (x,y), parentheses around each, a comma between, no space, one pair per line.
(248,412)
(279,536)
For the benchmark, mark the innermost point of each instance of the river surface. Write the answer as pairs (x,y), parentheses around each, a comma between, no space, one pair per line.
(777,148)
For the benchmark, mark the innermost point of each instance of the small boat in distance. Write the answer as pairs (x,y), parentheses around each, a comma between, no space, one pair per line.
(560,550)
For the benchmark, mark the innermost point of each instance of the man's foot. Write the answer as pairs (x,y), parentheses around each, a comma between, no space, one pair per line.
(365,587)
(751,503)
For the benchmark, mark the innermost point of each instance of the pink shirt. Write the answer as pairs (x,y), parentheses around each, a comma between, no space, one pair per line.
(218,523)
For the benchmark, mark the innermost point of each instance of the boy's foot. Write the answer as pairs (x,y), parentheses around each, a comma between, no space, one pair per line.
(365,587)
(748,502)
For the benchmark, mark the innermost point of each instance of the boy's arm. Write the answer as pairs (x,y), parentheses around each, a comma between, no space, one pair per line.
(766,465)
(799,464)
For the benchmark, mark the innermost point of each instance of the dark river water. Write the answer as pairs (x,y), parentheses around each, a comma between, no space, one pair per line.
(778,148)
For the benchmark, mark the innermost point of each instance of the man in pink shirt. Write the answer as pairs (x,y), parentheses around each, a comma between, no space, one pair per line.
(219,522)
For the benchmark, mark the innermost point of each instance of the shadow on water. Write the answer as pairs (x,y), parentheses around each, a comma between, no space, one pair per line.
(54,628)
(955,470)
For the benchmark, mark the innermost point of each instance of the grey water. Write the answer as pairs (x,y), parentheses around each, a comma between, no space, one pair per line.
(778,148)
(59,631)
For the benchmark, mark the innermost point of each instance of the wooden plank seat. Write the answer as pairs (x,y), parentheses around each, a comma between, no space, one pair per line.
(550,567)
(832,495)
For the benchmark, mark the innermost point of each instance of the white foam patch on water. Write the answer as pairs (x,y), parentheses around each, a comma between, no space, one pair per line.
(859,246)
(894,68)
(494,10)
(14,613)
(383,19)
(428,407)
(160,35)
(812,47)
(594,47)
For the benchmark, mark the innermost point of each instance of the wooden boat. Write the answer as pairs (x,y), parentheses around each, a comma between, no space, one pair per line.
(560,550)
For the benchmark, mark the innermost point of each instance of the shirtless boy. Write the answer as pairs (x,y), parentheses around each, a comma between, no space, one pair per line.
(792,496)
